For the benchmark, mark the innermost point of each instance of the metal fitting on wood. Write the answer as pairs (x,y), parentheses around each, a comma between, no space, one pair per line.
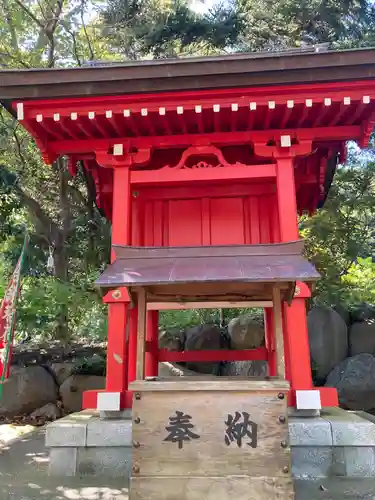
(116,294)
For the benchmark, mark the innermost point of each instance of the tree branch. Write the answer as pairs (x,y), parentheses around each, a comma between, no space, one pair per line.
(29,13)
(50,228)
(50,29)
(12,29)
(91,51)
(75,46)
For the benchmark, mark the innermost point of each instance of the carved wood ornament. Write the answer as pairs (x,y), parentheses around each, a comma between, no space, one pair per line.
(203,151)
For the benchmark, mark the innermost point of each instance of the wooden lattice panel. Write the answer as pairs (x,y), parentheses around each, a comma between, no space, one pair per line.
(211,444)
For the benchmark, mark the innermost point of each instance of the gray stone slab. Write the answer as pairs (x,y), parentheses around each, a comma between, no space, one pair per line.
(100,461)
(311,462)
(294,412)
(360,433)
(309,432)
(366,416)
(349,429)
(62,462)
(117,415)
(109,433)
(70,430)
(65,434)
(354,462)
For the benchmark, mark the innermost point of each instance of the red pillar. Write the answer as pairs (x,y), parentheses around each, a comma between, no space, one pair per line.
(297,351)
(152,343)
(118,300)
(295,329)
(117,378)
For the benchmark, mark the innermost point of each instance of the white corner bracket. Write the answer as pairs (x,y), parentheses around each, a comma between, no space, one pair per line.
(118,150)
(308,400)
(20,112)
(108,401)
(285,141)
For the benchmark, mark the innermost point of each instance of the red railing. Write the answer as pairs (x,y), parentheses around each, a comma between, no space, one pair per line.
(219,355)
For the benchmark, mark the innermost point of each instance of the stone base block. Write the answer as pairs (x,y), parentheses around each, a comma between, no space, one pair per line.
(353,461)
(311,462)
(63,461)
(337,443)
(104,461)
(83,444)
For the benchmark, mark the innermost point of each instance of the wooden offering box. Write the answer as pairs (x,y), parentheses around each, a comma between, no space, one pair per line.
(210,439)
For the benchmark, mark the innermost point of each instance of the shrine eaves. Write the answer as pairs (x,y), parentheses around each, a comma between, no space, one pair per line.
(149,113)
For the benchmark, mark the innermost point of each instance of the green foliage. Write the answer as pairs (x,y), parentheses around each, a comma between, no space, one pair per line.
(96,365)
(146,28)
(42,297)
(293,23)
(341,236)
(359,282)
(181,320)
(169,28)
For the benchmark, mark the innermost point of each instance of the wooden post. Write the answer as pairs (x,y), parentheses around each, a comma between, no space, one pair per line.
(132,347)
(279,338)
(152,339)
(141,334)
(270,341)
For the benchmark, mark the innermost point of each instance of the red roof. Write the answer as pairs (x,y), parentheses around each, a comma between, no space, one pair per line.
(335,109)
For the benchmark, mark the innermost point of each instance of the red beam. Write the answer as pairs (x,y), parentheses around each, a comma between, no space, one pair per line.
(205,356)
(206,98)
(219,138)
(225,190)
(166,175)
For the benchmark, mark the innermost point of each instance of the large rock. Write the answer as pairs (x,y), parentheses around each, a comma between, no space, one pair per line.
(245,333)
(203,338)
(246,369)
(49,411)
(71,391)
(354,379)
(27,389)
(62,371)
(362,338)
(328,338)
(344,312)
(172,341)
(167,369)
(363,312)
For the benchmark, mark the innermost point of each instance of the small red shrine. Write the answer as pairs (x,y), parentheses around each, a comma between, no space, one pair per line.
(202,152)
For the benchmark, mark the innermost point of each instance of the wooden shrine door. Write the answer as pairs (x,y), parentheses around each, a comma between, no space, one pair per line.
(206,215)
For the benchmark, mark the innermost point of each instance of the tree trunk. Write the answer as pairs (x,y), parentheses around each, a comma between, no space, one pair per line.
(61,258)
